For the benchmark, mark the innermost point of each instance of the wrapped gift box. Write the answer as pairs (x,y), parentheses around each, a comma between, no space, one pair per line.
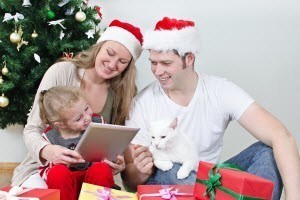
(90,192)
(155,192)
(37,193)
(233,184)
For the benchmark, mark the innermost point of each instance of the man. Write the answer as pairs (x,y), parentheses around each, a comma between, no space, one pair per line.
(204,105)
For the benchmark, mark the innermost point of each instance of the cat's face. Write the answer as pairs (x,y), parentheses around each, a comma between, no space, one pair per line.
(162,133)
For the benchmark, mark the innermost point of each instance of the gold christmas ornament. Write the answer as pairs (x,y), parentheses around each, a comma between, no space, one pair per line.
(1,80)
(15,37)
(4,69)
(21,43)
(20,31)
(34,34)
(80,16)
(3,101)
(101,32)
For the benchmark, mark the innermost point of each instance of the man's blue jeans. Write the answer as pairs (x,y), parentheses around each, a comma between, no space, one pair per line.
(258,159)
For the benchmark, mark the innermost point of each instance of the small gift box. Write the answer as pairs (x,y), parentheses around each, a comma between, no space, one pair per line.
(227,182)
(90,192)
(172,192)
(18,193)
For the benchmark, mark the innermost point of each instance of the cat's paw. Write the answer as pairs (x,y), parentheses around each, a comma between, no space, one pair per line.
(183,173)
(163,165)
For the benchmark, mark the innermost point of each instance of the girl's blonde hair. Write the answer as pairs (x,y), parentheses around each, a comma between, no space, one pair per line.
(55,100)
(123,85)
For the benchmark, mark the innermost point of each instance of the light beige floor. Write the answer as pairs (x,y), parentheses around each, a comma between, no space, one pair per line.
(6,171)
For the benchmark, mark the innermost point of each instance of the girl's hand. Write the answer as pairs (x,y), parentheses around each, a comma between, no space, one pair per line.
(117,166)
(58,154)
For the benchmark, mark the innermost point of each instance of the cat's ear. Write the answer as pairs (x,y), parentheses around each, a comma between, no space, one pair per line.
(173,125)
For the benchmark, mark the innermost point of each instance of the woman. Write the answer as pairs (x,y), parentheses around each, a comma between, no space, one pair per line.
(106,75)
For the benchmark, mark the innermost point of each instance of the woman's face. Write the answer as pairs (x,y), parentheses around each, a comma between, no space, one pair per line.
(112,60)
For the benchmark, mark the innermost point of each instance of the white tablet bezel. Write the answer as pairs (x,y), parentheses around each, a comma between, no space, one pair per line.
(104,141)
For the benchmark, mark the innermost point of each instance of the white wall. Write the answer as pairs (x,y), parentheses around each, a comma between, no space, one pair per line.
(254,43)
(12,147)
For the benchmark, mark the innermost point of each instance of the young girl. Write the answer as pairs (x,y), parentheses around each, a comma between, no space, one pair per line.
(67,115)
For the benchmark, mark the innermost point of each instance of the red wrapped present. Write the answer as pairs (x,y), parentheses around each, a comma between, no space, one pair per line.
(227,182)
(29,193)
(172,192)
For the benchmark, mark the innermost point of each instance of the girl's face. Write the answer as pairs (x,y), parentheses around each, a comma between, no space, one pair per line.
(78,116)
(112,60)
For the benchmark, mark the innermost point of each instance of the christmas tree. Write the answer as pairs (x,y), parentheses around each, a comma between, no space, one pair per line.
(34,34)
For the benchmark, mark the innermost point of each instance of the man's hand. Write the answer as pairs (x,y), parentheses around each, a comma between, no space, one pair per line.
(143,159)
(57,154)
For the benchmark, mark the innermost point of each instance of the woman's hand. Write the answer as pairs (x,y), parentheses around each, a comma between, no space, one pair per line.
(57,154)
(117,166)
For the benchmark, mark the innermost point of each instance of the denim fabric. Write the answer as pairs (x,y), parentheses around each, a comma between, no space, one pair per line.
(258,159)
(169,177)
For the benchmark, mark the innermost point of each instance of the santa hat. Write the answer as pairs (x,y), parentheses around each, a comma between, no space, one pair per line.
(126,34)
(172,34)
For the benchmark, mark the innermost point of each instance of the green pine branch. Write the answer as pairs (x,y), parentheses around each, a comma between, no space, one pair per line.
(25,73)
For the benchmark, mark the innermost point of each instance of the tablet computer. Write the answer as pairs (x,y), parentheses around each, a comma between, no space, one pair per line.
(101,141)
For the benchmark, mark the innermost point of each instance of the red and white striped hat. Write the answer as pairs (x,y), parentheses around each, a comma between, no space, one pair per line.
(128,35)
(172,34)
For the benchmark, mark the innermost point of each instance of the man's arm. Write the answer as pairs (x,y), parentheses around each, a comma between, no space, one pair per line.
(139,166)
(269,130)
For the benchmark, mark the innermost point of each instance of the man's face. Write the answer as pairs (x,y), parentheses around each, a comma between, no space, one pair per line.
(167,68)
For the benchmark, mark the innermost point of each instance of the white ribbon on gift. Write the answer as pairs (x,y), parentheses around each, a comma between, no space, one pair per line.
(14,192)
(16,17)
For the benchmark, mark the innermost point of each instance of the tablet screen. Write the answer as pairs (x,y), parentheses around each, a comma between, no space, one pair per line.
(101,141)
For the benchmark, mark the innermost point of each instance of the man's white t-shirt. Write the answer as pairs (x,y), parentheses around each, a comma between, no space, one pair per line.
(215,103)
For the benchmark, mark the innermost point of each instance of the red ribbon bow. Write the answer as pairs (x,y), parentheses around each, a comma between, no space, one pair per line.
(68,55)
(97,8)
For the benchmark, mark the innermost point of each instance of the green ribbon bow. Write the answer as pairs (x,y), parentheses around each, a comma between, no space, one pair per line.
(214,182)
(211,183)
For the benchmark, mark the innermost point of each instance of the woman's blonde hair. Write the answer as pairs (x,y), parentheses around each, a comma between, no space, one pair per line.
(123,85)
(55,100)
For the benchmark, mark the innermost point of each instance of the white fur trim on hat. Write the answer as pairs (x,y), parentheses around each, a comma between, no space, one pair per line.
(184,40)
(124,37)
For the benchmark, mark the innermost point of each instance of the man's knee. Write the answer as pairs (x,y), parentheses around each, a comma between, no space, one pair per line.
(170,177)
(264,152)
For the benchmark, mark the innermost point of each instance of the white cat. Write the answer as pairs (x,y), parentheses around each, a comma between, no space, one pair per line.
(170,146)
